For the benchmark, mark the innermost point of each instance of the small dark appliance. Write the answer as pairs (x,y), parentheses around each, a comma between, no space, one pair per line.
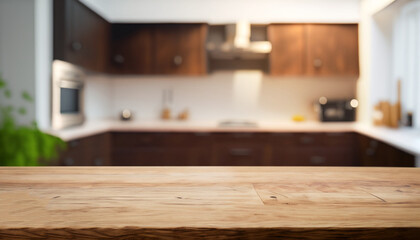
(337,110)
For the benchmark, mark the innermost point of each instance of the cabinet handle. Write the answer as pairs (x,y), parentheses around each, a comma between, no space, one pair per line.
(370,152)
(317,63)
(119,59)
(373,144)
(240,152)
(98,162)
(282,134)
(317,160)
(145,140)
(306,140)
(68,161)
(73,144)
(202,134)
(242,135)
(76,46)
(177,60)
(335,134)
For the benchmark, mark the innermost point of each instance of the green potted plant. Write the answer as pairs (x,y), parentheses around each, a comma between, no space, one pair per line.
(24,145)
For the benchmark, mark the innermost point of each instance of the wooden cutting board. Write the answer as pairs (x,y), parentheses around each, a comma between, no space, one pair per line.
(209,202)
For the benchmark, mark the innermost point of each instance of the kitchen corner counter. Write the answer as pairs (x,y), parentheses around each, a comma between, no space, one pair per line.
(404,138)
(209,202)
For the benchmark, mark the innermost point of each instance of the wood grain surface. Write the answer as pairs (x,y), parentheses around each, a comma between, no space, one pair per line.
(209,203)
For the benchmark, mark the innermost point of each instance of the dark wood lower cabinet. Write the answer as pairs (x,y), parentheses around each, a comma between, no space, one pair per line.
(90,151)
(241,149)
(232,149)
(162,149)
(380,154)
(313,149)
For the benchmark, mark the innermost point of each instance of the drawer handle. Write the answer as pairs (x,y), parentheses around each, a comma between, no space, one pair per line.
(317,63)
(317,160)
(145,140)
(98,162)
(202,134)
(373,143)
(73,144)
(370,152)
(69,161)
(336,134)
(119,59)
(242,135)
(282,134)
(240,152)
(76,46)
(306,140)
(178,60)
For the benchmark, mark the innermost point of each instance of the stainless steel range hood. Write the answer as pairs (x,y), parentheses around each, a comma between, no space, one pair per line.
(237,44)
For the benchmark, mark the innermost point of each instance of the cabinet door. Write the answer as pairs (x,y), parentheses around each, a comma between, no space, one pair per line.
(240,154)
(89,151)
(74,155)
(80,35)
(241,149)
(132,49)
(161,149)
(313,149)
(288,49)
(332,50)
(377,153)
(179,49)
(92,33)
(98,150)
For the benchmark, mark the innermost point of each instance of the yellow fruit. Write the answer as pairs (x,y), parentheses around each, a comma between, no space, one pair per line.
(298,118)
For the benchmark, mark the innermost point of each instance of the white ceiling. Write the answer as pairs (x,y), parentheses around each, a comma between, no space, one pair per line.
(226,11)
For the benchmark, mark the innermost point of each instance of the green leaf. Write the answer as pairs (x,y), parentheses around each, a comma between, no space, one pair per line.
(27,96)
(7,93)
(24,145)
(2,83)
(9,109)
(22,111)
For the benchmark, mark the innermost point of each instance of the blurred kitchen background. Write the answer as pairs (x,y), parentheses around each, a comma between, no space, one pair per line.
(270,66)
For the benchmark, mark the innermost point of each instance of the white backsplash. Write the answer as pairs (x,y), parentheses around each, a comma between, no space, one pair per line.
(248,95)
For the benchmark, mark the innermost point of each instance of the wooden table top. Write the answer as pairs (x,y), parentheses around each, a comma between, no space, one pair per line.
(209,202)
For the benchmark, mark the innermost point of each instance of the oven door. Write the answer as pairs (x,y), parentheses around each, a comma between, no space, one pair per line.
(70,93)
(67,99)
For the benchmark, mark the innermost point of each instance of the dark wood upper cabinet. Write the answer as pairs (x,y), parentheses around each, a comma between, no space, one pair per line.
(176,49)
(84,38)
(288,49)
(180,49)
(132,49)
(332,50)
(314,49)
(80,35)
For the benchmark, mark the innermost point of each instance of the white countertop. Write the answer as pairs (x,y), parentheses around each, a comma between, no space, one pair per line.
(407,139)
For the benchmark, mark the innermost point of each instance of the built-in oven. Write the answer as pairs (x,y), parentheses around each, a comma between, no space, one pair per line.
(67,95)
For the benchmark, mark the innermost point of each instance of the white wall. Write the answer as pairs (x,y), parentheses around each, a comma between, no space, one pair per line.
(375,57)
(17,53)
(223,95)
(225,11)
(43,59)
(26,55)
(378,79)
